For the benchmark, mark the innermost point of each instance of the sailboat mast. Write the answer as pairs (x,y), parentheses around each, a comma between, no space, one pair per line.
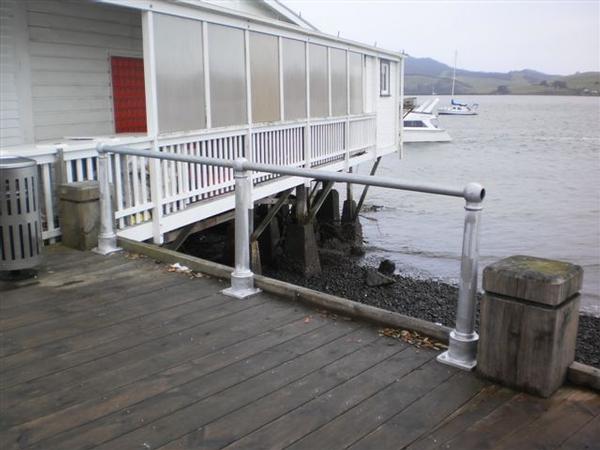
(454,74)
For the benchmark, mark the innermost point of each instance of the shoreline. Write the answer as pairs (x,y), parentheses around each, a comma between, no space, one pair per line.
(430,300)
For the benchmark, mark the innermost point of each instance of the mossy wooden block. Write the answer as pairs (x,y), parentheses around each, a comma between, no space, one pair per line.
(525,345)
(81,191)
(534,279)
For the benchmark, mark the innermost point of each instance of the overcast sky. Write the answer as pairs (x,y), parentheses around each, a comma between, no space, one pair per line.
(559,37)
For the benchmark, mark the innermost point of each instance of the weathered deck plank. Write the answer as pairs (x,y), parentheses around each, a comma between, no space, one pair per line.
(118,353)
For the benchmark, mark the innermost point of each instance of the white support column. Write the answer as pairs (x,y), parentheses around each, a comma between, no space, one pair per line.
(249,150)
(152,123)
(206,64)
(330,109)
(307,131)
(363,74)
(347,128)
(281,87)
(249,146)
(400,109)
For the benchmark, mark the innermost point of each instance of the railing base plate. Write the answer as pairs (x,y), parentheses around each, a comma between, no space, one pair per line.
(105,252)
(444,358)
(240,293)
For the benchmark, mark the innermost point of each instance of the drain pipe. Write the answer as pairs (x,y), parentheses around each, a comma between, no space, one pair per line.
(462,348)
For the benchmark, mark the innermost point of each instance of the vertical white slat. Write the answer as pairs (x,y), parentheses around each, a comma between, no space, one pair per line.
(221,155)
(48,207)
(89,167)
(259,153)
(233,156)
(197,170)
(210,169)
(284,151)
(185,150)
(173,180)
(136,186)
(69,171)
(205,183)
(166,182)
(226,155)
(144,185)
(79,169)
(127,192)
(192,150)
(118,188)
(182,175)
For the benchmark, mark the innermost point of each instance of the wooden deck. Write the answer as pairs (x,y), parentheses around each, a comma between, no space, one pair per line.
(118,353)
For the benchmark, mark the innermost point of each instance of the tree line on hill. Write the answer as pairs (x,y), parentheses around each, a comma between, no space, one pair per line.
(424,76)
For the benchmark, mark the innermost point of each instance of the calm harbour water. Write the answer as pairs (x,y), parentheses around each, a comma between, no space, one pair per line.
(539,160)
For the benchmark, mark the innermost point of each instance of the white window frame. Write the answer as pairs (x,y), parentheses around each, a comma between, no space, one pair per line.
(384,78)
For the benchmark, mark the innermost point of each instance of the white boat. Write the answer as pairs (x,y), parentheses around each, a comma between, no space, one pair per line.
(421,124)
(457,108)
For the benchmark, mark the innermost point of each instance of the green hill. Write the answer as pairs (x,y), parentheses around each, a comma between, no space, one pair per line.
(424,75)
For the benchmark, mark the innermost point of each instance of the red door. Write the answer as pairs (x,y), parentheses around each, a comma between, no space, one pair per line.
(129,94)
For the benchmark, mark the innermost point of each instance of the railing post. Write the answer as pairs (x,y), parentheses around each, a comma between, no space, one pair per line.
(242,278)
(462,348)
(107,238)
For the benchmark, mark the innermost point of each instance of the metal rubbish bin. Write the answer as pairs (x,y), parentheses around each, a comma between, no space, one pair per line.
(20,224)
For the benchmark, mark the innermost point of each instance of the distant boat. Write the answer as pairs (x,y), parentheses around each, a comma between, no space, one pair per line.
(457,108)
(421,124)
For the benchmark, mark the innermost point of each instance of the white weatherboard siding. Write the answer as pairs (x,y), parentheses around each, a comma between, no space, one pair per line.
(15,98)
(386,117)
(71,42)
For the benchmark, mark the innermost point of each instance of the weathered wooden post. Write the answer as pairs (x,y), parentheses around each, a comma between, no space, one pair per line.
(529,319)
(79,206)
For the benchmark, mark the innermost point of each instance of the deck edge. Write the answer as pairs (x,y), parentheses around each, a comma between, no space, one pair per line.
(291,291)
(578,374)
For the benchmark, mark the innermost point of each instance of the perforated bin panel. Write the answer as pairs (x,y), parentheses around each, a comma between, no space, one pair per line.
(20,225)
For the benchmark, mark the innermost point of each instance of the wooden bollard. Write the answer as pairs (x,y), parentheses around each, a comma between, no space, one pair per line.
(79,214)
(528,325)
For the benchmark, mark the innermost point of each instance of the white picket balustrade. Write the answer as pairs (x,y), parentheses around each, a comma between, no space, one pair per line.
(183,185)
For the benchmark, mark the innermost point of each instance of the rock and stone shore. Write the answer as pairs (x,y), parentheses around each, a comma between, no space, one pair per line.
(347,276)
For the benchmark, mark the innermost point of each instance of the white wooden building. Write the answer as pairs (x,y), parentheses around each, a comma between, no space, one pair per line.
(216,78)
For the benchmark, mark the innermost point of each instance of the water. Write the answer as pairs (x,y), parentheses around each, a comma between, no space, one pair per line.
(538,158)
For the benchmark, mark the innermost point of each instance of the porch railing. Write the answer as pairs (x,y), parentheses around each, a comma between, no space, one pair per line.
(463,339)
(138,197)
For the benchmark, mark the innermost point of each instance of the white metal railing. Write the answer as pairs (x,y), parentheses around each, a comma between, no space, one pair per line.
(463,339)
(181,185)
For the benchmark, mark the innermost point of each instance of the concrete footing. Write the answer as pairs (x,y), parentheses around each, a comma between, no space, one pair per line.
(79,214)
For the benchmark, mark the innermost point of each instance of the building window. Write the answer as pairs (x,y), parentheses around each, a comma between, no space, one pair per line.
(356,83)
(384,79)
(227,67)
(179,74)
